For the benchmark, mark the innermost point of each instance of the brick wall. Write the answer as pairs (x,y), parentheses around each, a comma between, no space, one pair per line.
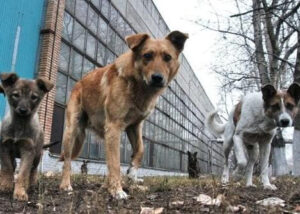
(49,58)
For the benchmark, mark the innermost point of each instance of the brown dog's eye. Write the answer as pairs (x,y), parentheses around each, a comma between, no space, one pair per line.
(275,107)
(290,106)
(167,57)
(148,56)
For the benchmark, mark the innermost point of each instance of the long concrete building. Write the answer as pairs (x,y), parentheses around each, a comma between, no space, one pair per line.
(62,40)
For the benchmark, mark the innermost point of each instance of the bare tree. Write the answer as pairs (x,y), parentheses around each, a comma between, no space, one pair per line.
(260,45)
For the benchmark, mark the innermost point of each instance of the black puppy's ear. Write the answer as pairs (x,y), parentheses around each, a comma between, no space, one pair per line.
(189,154)
(195,154)
(8,79)
(294,91)
(135,41)
(44,85)
(177,39)
(268,91)
(2,90)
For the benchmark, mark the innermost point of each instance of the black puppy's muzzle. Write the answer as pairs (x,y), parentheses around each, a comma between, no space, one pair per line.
(22,111)
(157,80)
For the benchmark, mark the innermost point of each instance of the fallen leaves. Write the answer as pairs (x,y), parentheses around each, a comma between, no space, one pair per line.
(235,209)
(272,201)
(151,210)
(207,200)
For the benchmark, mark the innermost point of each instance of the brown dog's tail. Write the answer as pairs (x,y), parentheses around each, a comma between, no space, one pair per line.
(76,150)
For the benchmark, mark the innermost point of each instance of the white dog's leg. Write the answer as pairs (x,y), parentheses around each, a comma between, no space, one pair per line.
(132,174)
(226,148)
(239,152)
(264,153)
(253,155)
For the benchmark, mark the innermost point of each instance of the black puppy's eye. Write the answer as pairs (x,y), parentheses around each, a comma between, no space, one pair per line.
(148,56)
(167,57)
(15,95)
(34,97)
(290,106)
(275,107)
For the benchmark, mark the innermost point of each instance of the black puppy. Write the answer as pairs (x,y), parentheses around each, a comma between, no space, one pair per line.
(193,165)
(84,169)
(21,134)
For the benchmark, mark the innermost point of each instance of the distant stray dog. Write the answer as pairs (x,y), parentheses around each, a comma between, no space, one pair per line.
(251,127)
(21,135)
(193,165)
(118,97)
(84,169)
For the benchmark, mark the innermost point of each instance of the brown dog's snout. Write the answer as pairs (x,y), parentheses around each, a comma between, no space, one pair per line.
(157,80)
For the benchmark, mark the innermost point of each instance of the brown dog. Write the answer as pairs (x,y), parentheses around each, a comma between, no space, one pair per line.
(21,134)
(119,97)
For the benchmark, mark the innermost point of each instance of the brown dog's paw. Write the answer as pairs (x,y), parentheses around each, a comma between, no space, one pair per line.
(65,187)
(20,194)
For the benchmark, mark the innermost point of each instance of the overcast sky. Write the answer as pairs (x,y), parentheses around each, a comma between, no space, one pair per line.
(202,44)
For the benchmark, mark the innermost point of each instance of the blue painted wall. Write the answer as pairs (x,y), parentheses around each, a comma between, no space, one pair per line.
(27,14)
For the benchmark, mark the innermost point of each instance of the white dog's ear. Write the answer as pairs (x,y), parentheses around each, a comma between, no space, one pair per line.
(294,91)
(268,91)
(135,41)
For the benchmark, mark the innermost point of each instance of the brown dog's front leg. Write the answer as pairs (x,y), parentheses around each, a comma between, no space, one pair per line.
(134,133)
(112,144)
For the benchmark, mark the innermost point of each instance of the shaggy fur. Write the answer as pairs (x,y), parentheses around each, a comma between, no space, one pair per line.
(118,97)
(21,134)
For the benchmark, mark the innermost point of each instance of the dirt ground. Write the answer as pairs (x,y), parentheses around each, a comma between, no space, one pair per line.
(90,196)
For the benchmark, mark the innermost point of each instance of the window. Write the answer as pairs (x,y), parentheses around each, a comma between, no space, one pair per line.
(68,27)
(79,36)
(76,65)
(101,56)
(61,88)
(92,20)
(105,8)
(91,45)
(64,57)
(81,10)
(102,32)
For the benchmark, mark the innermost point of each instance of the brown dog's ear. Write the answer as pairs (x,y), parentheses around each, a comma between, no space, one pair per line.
(177,39)
(44,85)
(136,40)
(268,91)
(294,91)
(8,79)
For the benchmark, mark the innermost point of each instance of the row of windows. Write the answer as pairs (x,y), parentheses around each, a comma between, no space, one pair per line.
(93,36)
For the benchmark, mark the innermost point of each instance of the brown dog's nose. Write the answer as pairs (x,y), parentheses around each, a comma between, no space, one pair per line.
(157,79)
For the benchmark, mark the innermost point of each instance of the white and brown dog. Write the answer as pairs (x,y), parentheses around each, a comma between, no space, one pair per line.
(251,127)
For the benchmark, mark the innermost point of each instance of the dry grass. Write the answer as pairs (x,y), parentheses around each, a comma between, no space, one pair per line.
(90,196)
